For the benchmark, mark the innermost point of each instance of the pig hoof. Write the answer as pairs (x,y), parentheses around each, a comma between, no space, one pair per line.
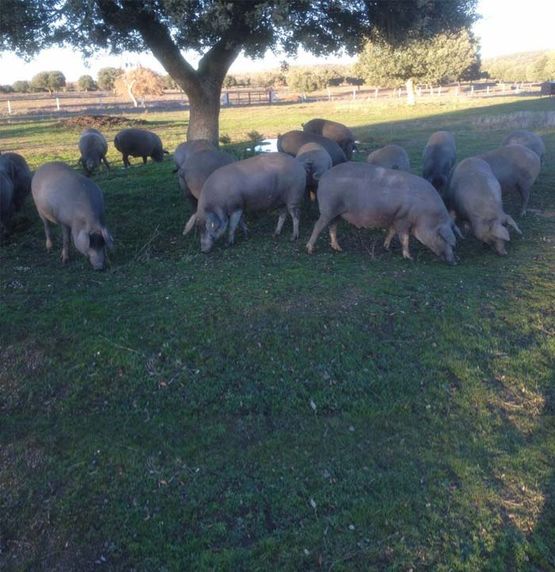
(336,247)
(309,248)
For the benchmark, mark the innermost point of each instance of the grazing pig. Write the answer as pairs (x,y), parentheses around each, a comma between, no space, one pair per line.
(390,157)
(528,139)
(193,174)
(93,147)
(22,179)
(516,168)
(335,131)
(7,173)
(475,197)
(373,197)
(184,150)
(65,197)
(263,182)
(15,185)
(439,158)
(139,143)
(292,141)
(316,161)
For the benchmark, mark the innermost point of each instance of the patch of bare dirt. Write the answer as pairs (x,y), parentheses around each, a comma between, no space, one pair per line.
(100,121)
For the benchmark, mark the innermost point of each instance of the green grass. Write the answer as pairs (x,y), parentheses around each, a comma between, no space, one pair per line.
(261,409)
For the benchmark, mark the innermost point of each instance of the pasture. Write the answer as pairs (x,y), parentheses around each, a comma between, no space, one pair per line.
(258,408)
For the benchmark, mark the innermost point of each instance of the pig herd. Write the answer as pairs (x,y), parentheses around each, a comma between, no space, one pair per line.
(379,193)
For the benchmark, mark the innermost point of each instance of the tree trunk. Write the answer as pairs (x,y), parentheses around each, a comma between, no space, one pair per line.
(204,114)
(411,100)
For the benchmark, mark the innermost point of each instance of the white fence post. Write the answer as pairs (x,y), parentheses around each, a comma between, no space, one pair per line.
(58,103)
(9,107)
(376,91)
(487,90)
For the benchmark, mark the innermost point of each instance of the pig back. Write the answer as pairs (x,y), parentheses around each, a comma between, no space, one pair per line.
(137,142)
(200,165)
(292,141)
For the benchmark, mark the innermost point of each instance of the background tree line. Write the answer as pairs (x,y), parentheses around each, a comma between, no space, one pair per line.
(525,66)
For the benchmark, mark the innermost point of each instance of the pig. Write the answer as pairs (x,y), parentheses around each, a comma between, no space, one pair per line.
(15,185)
(193,174)
(516,168)
(184,150)
(67,198)
(335,131)
(374,197)
(439,159)
(7,173)
(292,141)
(263,182)
(316,161)
(22,179)
(474,196)
(93,148)
(528,139)
(139,143)
(390,157)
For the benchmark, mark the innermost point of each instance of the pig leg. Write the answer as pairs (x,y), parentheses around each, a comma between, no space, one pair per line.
(525,196)
(66,232)
(404,237)
(144,159)
(280,222)
(333,237)
(47,234)
(390,235)
(126,162)
(295,213)
(234,220)
(244,227)
(318,228)
(105,161)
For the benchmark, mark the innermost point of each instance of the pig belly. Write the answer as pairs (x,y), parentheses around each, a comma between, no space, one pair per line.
(367,219)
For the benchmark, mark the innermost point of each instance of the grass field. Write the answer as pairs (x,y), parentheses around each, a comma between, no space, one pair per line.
(261,409)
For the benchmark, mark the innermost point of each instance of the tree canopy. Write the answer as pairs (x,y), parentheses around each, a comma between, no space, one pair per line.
(106,77)
(220,30)
(48,81)
(524,66)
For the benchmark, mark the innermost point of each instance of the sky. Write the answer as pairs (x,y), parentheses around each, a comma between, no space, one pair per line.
(506,26)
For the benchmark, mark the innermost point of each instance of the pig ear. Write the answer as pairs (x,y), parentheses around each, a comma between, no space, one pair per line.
(213,222)
(510,221)
(82,241)
(107,238)
(447,234)
(499,231)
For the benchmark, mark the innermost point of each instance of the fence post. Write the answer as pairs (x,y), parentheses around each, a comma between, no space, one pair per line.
(472,90)
(376,91)
(487,90)
(354,93)
(9,107)
(58,103)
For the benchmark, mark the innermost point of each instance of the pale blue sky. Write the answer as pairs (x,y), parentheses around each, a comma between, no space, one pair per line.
(507,26)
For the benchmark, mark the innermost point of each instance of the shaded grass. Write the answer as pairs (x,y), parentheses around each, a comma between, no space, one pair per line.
(258,408)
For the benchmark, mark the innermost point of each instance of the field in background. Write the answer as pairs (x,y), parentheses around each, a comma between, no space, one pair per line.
(17,106)
(259,408)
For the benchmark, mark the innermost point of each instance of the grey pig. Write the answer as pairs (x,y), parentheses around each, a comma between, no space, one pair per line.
(316,161)
(6,194)
(516,168)
(438,159)
(474,196)
(139,143)
(93,148)
(184,150)
(15,186)
(390,157)
(263,182)
(292,141)
(67,198)
(528,139)
(373,197)
(335,131)
(193,174)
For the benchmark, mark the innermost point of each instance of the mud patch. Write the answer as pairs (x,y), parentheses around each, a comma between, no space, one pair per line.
(100,121)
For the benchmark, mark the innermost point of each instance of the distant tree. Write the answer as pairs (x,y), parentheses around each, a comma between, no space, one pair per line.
(139,82)
(230,81)
(21,86)
(39,82)
(523,66)
(6,88)
(106,77)
(303,80)
(86,83)
(434,60)
(169,82)
(56,80)
(219,30)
